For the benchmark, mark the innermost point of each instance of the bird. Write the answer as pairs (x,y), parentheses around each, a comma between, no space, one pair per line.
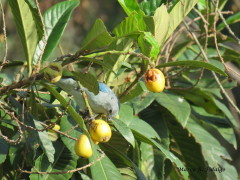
(105,102)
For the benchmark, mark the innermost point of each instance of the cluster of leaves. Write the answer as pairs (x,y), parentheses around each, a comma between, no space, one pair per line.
(178,133)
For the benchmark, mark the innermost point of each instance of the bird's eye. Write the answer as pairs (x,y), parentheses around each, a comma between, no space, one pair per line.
(110,111)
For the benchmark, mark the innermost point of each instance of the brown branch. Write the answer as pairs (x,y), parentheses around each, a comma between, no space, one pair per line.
(139,76)
(65,172)
(13,117)
(21,84)
(224,21)
(44,35)
(5,38)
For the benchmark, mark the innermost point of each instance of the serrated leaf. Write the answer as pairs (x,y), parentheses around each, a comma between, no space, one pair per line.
(230,20)
(147,162)
(98,37)
(125,131)
(219,123)
(212,150)
(37,17)
(136,91)
(3,150)
(129,6)
(46,143)
(189,149)
(178,106)
(88,81)
(150,26)
(115,60)
(144,132)
(141,102)
(129,26)
(143,129)
(70,109)
(226,111)
(104,169)
(148,45)
(162,23)
(64,161)
(67,124)
(55,20)
(150,6)
(178,12)
(126,160)
(191,63)
(25,20)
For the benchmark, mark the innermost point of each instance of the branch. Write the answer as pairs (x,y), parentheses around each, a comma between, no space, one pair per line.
(65,172)
(5,37)
(21,84)
(214,74)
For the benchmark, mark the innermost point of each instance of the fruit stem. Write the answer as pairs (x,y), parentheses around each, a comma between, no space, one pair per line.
(85,99)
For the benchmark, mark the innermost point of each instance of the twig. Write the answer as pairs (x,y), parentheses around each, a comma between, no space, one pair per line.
(194,85)
(21,84)
(59,132)
(85,99)
(5,38)
(182,29)
(214,74)
(215,36)
(11,114)
(27,90)
(139,76)
(44,34)
(224,21)
(65,172)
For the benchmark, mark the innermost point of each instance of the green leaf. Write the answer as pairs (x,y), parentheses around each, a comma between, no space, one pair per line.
(189,149)
(141,102)
(178,12)
(198,64)
(150,25)
(33,104)
(172,158)
(220,124)
(104,169)
(143,129)
(161,22)
(66,124)
(46,143)
(144,132)
(64,161)
(154,115)
(178,106)
(118,152)
(230,20)
(115,60)
(150,6)
(129,26)
(214,153)
(226,112)
(25,20)
(98,37)
(88,81)
(148,45)
(36,16)
(129,6)
(78,119)
(135,124)
(136,91)
(55,20)
(3,150)
(147,162)
(125,131)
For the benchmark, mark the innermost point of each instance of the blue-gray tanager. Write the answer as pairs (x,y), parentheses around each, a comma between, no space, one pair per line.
(105,102)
